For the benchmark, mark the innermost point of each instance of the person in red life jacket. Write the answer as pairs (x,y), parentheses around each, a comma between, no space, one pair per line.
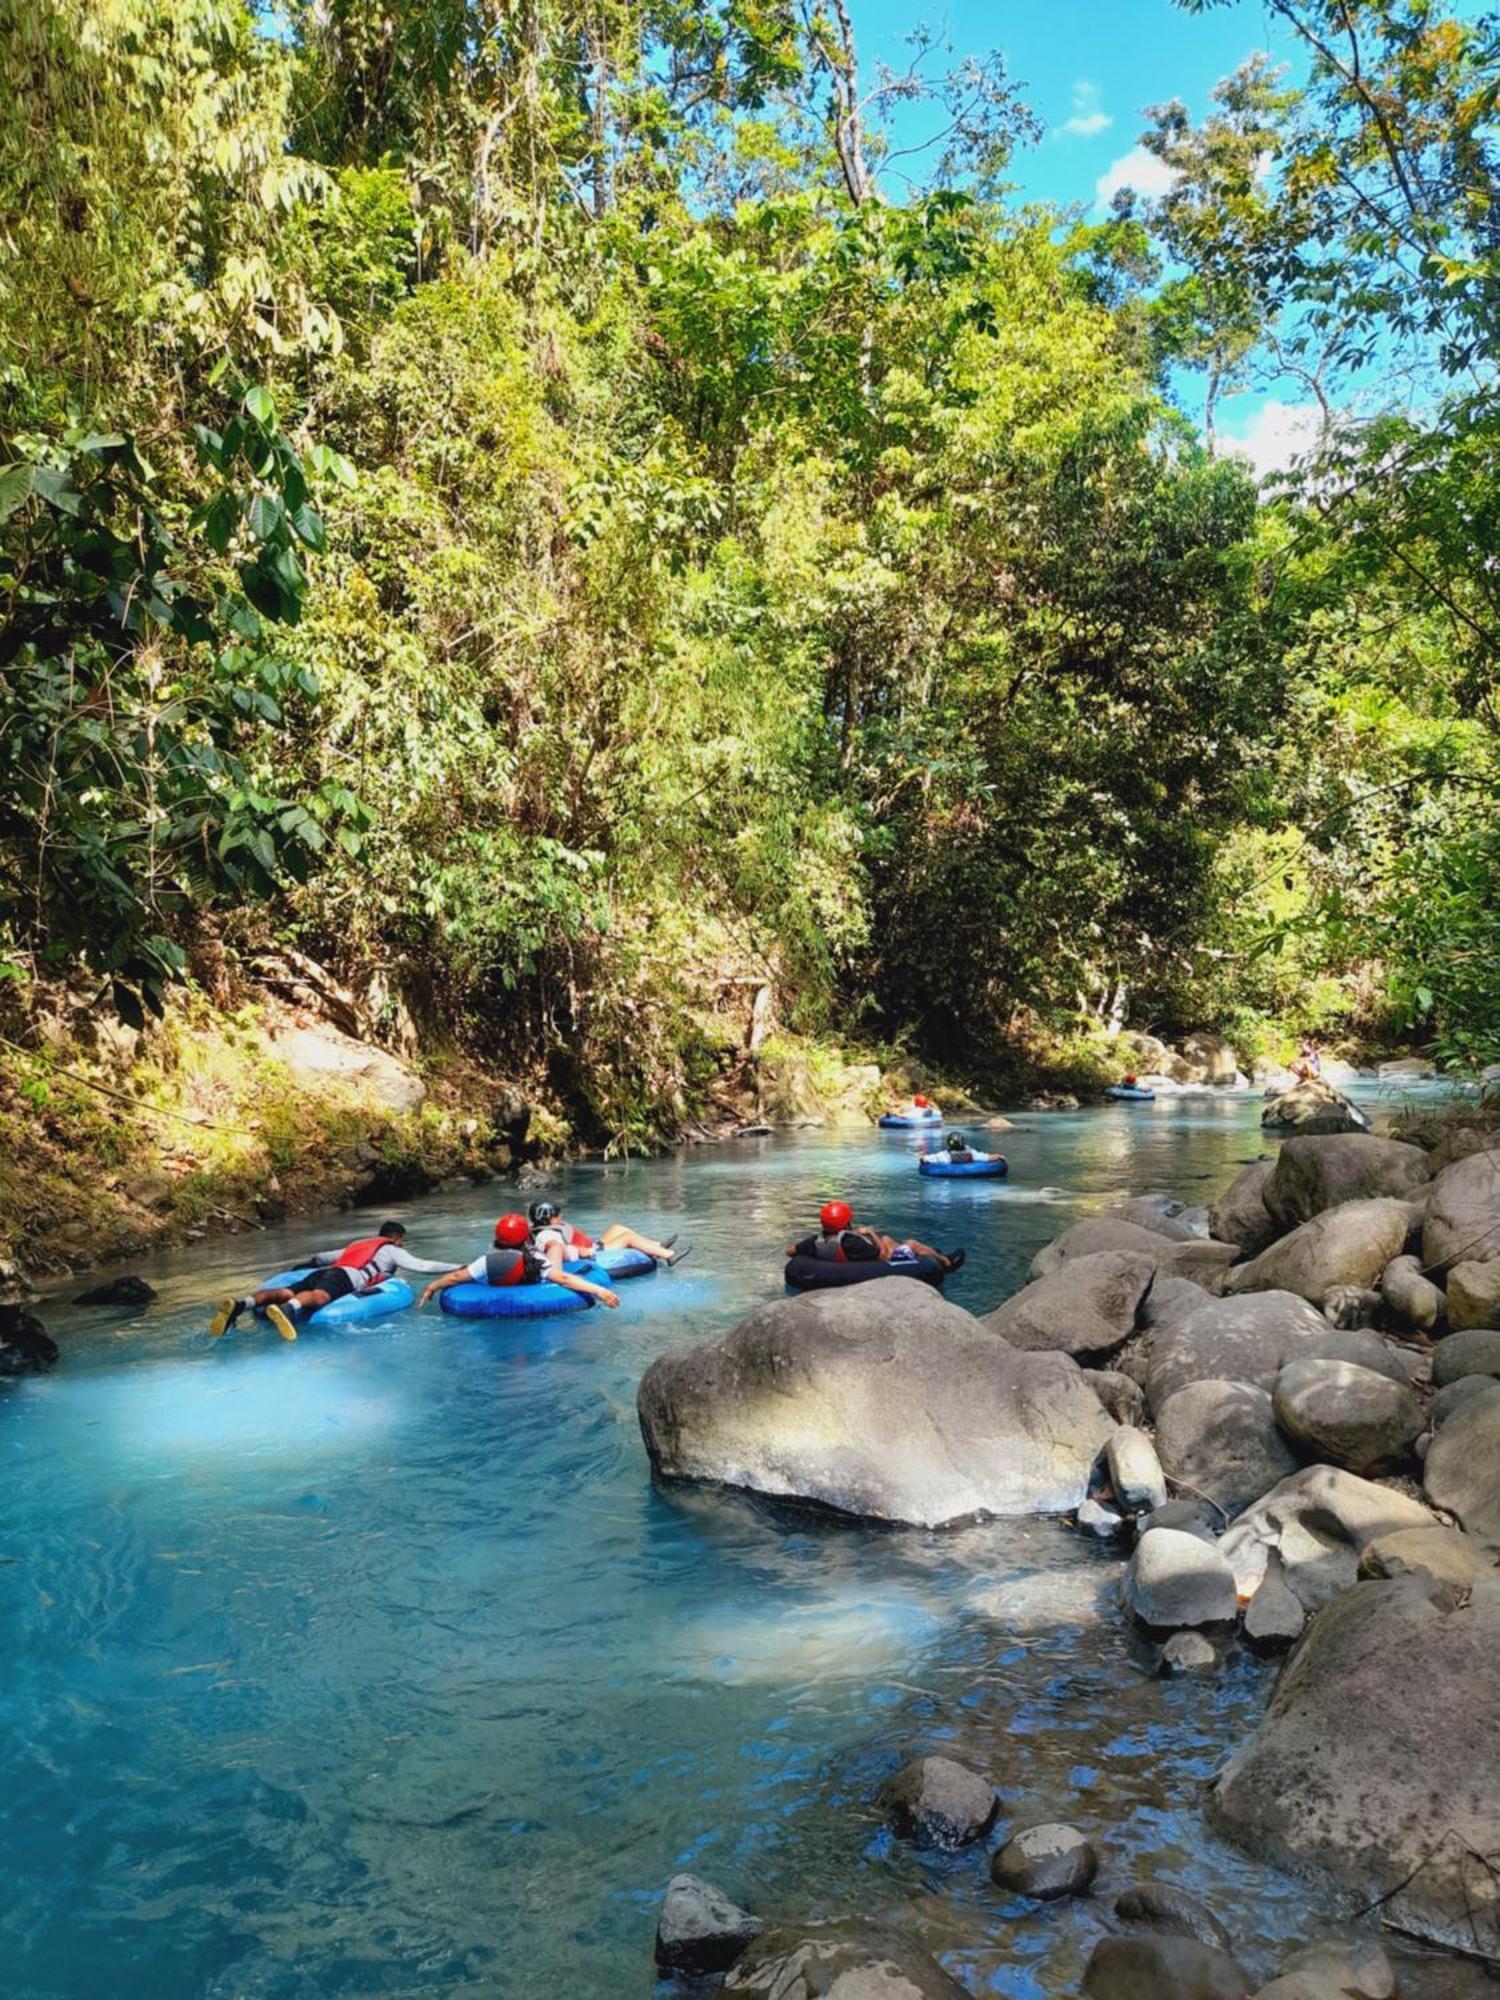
(919,1107)
(1130,1080)
(549,1225)
(331,1274)
(841,1241)
(515,1258)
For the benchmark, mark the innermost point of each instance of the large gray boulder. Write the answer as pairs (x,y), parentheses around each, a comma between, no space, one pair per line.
(1174,1581)
(1350,1245)
(848,1961)
(1462,1223)
(1205,1263)
(1461,1471)
(1227,1340)
(1313,1108)
(1476,1351)
(1317,1173)
(1088,1306)
(1240,1214)
(1379,1759)
(1213,1058)
(880,1400)
(1319,1522)
(1473,1296)
(1347,1416)
(1220,1439)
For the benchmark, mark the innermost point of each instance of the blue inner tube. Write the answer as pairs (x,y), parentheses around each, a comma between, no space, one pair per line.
(391,1295)
(623,1264)
(477,1300)
(1126,1093)
(983,1166)
(903,1121)
(812,1274)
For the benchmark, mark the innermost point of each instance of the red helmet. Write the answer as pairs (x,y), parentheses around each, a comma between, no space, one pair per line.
(920,1101)
(835,1215)
(512,1230)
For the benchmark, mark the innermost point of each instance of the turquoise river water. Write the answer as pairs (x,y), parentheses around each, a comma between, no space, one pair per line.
(377,1665)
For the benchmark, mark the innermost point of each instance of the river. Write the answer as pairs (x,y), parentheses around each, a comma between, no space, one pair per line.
(376,1665)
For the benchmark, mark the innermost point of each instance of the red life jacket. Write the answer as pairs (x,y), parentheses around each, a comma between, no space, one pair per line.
(579,1238)
(361,1256)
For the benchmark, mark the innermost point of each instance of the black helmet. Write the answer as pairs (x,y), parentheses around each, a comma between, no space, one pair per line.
(543,1212)
(955,1139)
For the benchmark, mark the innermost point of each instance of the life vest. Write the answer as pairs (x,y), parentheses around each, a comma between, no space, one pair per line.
(506,1267)
(579,1238)
(361,1256)
(830,1249)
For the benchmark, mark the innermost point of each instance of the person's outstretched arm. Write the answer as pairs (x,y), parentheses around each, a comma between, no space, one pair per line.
(449,1278)
(559,1274)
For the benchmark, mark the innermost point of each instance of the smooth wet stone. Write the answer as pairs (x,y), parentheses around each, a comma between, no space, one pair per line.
(1191,1517)
(1087,1306)
(1226,1340)
(1161,1966)
(1186,1653)
(1221,1440)
(1274,1617)
(1342,1415)
(1474,1352)
(700,1931)
(1350,1245)
(1105,1523)
(939,1803)
(26,1347)
(1452,1394)
(1411,1294)
(1443,1553)
(1135,1471)
(1174,1581)
(1045,1863)
(1157,1906)
(1462,1222)
(843,1961)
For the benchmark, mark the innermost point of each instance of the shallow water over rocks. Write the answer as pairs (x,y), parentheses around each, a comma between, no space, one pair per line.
(375,1665)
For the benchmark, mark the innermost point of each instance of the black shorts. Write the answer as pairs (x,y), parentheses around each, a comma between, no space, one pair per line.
(334,1279)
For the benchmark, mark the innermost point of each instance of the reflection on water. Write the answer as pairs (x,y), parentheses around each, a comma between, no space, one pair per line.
(375,1664)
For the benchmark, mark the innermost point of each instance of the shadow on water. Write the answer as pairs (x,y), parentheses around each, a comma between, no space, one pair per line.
(376,1664)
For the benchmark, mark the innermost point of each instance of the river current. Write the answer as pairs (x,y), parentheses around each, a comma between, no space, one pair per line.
(376,1664)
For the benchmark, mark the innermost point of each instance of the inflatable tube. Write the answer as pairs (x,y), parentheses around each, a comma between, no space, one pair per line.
(812,1274)
(902,1121)
(620,1264)
(1125,1093)
(391,1295)
(983,1166)
(480,1301)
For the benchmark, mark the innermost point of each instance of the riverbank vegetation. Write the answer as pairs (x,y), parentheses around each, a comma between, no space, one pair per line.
(524,507)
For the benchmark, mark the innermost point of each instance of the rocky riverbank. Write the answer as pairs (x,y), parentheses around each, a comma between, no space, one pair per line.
(1284,1414)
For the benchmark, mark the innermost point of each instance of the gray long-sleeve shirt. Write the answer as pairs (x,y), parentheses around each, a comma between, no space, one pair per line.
(387,1260)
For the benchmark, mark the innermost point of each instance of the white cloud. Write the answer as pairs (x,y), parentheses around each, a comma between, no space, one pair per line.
(1273,436)
(1136,169)
(1087,120)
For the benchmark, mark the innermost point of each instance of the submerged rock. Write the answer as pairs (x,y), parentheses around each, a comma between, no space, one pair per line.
(1173,1580)
(1350,1245)
(1220,1439)
(1313,1174)
(879,1400)
(1187,1653)
(847,1961)
(700,1931)
(1157,1906)
(939,1803)
(127,1291)
(1088,1306)
(1378,1760)
(1045,1863)
(1347,1416)
(1161,1966)
(26,1347)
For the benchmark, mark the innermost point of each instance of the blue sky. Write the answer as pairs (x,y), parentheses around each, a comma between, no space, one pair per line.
(1089,68)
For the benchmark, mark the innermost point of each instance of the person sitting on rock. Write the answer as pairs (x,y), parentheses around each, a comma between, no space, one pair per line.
(1309,1064)
(517,1258)
(331,1274)
(841,1241)
(548,1222)
(960,1152)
